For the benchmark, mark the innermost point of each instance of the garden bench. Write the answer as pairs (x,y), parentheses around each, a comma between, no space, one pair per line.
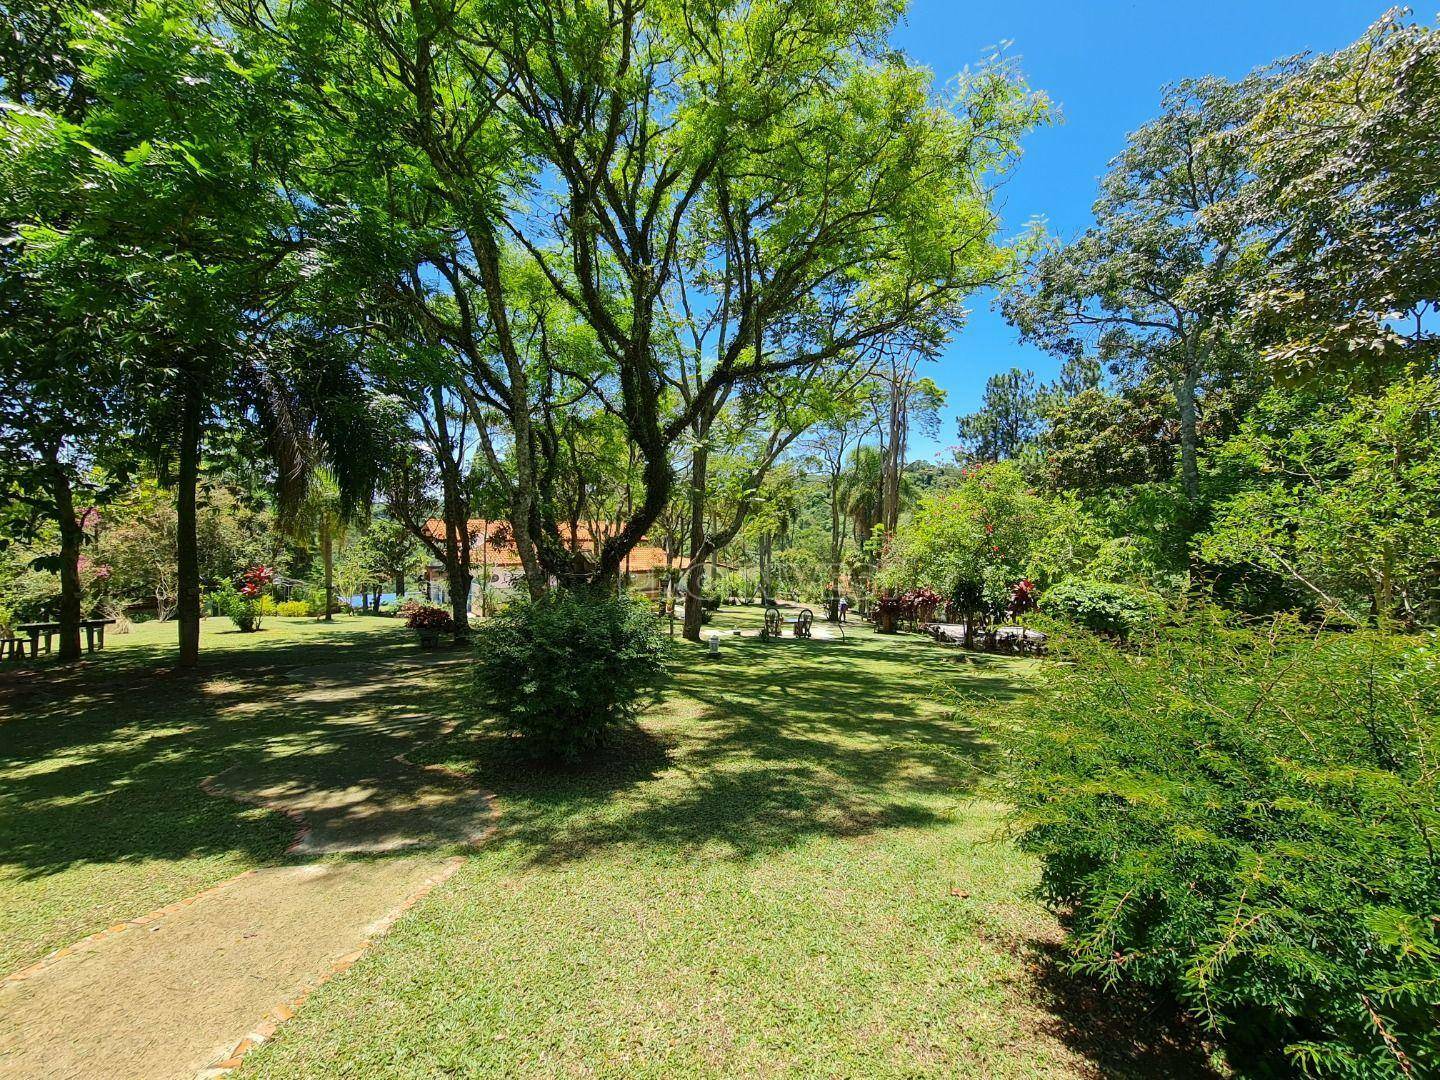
(13,648)
(803,621)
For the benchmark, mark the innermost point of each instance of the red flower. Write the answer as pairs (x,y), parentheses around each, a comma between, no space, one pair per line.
(255,580)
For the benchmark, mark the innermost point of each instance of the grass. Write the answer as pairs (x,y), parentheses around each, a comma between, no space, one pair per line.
(101,813)
(791,868)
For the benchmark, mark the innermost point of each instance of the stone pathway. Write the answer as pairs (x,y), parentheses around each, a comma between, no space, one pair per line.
(186,990)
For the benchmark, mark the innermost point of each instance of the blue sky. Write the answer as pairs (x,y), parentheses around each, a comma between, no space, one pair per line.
(1104,63)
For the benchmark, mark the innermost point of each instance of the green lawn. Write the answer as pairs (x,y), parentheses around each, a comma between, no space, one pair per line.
(101,813)
(792,868)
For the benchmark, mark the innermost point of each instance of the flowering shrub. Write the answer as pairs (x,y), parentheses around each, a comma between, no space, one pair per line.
(1024,598)
(923,603)
(910,606)
(889,609)
(254,581)
(408,607)
(433,619)
(246,605)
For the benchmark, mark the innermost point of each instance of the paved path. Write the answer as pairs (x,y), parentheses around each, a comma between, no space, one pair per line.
(186,990)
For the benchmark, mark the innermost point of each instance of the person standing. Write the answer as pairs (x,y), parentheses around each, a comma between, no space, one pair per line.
(844,607)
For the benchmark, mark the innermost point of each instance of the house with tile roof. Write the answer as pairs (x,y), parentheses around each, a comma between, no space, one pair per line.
(495,559)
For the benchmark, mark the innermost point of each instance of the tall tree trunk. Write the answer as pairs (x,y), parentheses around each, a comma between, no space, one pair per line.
(893,460)
(695,575)
(187,563)
(399,585)
(71,537)
(327,556)
(1185,390)
(485,571)
(832,605)
(455,514)
(458,579)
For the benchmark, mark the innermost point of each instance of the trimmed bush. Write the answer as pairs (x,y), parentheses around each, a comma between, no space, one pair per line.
(1105,607)
(292,609)
(563,672)
(1249,821)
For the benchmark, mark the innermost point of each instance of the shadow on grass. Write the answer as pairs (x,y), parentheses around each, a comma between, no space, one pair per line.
(101,762)
(754,751)
(1126,1033)
(751,752)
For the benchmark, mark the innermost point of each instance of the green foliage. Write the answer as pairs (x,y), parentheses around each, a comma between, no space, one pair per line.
(1343,499)
(1098,440)
(985,529)
(294,609)
(1105,607)
(244,612)
(1354,285)
(563,672)
(1247,819)
(1007,421)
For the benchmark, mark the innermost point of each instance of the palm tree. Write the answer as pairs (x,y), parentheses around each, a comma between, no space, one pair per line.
(320,516)
(862,491)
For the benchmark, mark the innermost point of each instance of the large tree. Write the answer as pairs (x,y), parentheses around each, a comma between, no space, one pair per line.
(774,166)
(1156,282)
(58,428)
(906,399)
(1345,178)
(158,152)
(1008,420)
(830,447)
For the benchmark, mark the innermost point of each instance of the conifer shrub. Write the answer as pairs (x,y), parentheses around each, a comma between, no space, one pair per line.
(562,673)
(1249,820)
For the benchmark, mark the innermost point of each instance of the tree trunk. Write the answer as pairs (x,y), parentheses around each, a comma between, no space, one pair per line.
(399,585)
(891,460)
(456,511)
(327,557)
(187,563)
(832,605)
(457,577)
(695,575)
(1185,403)
(71,537)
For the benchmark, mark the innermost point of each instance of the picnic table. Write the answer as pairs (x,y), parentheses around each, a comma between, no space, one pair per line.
(94,633)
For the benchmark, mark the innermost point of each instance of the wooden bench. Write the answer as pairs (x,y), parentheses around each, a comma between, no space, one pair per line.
(13,648)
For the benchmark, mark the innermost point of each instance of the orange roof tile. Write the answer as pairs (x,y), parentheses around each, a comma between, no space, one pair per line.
(500,550)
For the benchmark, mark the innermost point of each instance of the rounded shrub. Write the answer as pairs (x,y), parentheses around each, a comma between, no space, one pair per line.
(563,672)
(1105,607)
